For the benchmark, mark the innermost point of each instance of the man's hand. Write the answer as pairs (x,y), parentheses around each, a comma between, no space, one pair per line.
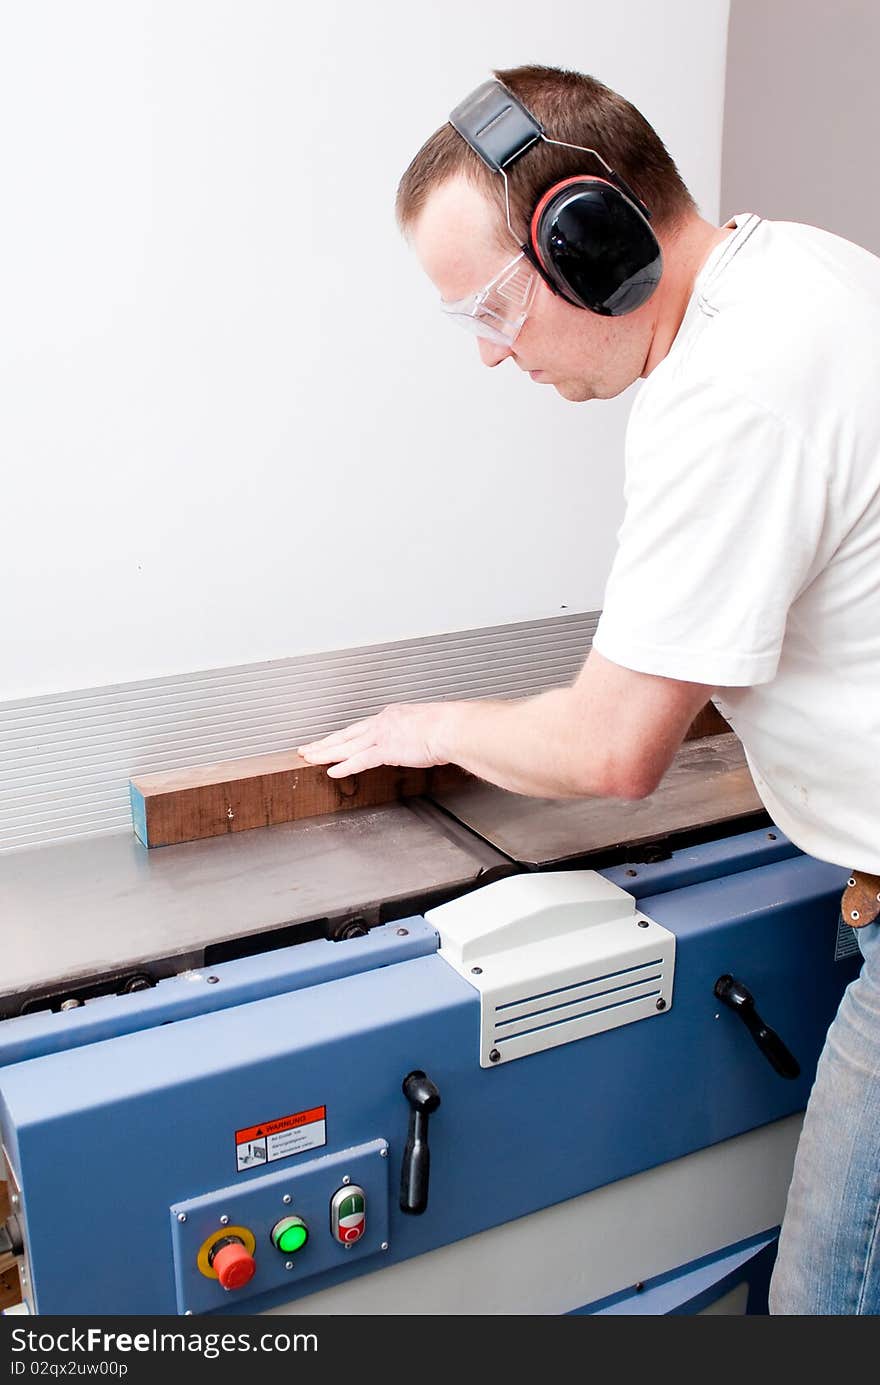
(405,734)
(612,734)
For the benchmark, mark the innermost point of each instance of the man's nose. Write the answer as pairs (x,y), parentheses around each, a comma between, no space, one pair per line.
(492,353)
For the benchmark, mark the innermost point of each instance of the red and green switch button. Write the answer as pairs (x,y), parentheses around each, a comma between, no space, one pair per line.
(348,1214)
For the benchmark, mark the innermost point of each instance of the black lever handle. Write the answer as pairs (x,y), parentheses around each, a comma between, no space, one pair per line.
(740,1000)
(423,1098)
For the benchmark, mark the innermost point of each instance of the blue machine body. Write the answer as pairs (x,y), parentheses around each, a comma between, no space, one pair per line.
(122,1120)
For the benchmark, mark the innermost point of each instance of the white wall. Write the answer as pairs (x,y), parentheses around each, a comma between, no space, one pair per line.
(801,114)
(232,424)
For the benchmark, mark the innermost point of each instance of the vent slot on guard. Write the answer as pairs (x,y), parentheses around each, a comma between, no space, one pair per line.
(555,957)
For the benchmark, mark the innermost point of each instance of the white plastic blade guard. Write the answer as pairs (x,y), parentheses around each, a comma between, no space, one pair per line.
(555,957)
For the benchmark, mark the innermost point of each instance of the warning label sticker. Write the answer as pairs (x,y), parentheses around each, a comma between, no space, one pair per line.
(278,1139)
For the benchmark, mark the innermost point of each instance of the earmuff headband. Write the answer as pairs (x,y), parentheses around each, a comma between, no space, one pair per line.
(499,128)
(496,125)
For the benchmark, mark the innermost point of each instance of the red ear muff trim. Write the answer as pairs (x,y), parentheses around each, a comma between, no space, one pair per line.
(545,200)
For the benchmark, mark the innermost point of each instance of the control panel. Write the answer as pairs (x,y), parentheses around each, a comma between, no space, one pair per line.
(280,1228)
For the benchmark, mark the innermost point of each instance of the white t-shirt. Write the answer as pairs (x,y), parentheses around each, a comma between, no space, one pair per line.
(749,555)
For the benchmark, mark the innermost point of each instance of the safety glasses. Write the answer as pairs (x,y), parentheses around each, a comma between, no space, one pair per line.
(498,311)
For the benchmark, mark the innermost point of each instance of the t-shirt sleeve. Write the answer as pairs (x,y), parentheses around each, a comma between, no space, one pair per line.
(725,508)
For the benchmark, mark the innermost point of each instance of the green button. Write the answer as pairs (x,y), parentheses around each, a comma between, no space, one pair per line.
(290,1235)
(294,1238)
(351,1206)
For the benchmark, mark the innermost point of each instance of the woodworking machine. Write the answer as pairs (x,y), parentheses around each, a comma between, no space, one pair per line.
(442,1056)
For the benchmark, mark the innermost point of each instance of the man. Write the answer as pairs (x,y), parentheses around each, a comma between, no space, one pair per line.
(748,565)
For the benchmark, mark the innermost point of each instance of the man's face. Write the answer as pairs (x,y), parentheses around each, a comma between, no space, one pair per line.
(462,245)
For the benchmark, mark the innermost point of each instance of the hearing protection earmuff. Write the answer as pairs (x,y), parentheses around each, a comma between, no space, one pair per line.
(589,236)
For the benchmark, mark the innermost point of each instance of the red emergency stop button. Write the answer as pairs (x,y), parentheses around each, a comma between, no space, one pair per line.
(234,1264)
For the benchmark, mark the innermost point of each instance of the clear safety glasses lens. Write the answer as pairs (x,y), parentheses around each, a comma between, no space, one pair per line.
(498,311)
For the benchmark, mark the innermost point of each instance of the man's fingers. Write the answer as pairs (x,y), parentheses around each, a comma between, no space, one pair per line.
(326,754)
(365,759)
(320,752)
(336,738)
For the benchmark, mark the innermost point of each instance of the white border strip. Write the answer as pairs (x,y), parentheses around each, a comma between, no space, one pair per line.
(66,759)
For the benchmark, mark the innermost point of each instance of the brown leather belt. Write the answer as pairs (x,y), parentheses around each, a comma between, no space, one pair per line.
(860,904)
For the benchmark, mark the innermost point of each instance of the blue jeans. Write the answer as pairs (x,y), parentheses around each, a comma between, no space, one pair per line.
(829,1249)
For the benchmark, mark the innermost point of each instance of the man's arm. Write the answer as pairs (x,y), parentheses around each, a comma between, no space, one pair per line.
(611,734)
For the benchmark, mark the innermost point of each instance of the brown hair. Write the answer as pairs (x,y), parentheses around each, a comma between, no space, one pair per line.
(573,108)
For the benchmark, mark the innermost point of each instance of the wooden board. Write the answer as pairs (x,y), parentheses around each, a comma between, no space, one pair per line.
(708,722)
(235,795)
(185,805)
(10,1284)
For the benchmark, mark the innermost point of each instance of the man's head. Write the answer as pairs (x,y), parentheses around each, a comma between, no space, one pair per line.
(453,208)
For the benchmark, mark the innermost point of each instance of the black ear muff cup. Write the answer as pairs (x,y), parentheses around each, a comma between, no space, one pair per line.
(596,247)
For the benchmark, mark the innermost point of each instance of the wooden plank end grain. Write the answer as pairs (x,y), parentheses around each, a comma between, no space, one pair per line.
(185,805)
